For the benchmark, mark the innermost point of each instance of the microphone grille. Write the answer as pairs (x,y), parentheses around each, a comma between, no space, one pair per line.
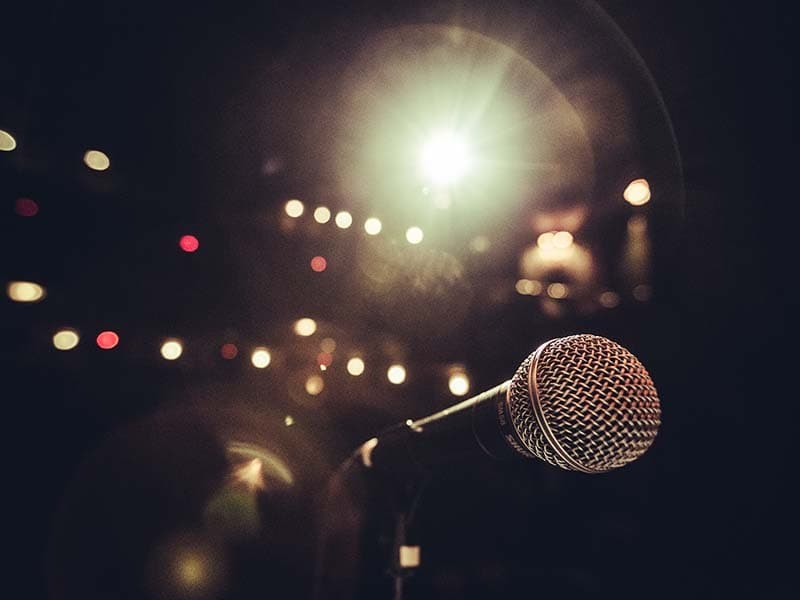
(584,403)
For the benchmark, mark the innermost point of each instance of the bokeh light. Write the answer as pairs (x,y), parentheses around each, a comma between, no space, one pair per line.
(458,383)
(414,235)
(355,366)
(260,358)
(528,287)
(637,193)
(294,208)
(7,141)
(288,420)
(305,327)
(324,360)
(229,351)
(343,219)
(396,374)
(314,385)
(557,291)
(66,339)
(96,160)
(562,239)
(189,243)
(107,340)
(319,264)
(609,299)
(642,292)
(322,214)
(373,226)
(328,345)
(171,349)
(25,291)
(25,207)
(444,158)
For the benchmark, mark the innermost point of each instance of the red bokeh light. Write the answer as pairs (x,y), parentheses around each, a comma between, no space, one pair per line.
(107,340)
(25,207)
(229,351)
(189,243)
(319,264)
(324,359)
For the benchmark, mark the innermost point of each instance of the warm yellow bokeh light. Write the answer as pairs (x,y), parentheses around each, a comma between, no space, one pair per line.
(191,571)
(545,240)
(294,208)
(66,339)
(637,192)
(261,358)
(373,226)
(355,366)
(322,214)
(25,291)
(396,374)
(458,384)
(557,291)
(414,235)
(171,349)
(528,287)
(288,420)
(343,219)
(562,240)
(305,327)
(96,160)
(444,158)
(314,385)
(7,141)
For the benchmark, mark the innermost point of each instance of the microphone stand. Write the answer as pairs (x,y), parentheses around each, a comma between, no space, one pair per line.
(344,526)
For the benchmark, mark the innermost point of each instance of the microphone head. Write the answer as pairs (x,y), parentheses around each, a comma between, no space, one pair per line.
(583,403)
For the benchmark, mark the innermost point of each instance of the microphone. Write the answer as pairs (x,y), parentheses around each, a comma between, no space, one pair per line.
(582,403)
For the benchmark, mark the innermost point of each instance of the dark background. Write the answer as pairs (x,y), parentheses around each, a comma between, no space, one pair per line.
(107,452)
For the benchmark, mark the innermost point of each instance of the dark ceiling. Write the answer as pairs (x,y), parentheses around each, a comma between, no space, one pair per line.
(213,115)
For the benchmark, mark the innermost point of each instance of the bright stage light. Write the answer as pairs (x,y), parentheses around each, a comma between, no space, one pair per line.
(66,339)
(396,374)
(343,219)
(414,235)
(96,160)
(444,158)
(294,208)
(171,349)
(261,358)
(373,226)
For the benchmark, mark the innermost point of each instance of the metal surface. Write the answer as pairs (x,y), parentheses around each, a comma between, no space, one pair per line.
(584,403)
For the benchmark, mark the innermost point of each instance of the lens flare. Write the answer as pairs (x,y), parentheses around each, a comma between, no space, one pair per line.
(444,158)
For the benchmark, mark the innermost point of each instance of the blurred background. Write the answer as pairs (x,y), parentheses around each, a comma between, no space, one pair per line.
(240,238)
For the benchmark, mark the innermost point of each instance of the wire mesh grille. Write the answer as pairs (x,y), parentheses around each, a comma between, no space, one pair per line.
(596,398)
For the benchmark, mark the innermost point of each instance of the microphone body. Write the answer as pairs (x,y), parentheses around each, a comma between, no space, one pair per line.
(581,403)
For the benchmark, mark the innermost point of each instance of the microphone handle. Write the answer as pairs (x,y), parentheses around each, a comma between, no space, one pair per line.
(470,429)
